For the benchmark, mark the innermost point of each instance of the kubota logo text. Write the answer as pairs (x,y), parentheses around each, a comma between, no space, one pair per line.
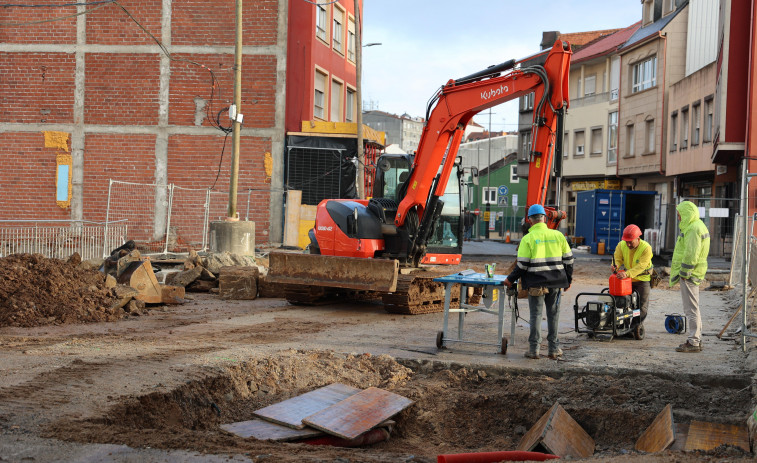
(494,92)
(322,228)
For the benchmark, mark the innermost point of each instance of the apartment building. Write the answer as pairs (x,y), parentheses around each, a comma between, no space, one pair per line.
(590,153)
(404,131)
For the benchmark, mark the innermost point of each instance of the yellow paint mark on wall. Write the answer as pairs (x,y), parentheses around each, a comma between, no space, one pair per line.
(58,140)
(268,163)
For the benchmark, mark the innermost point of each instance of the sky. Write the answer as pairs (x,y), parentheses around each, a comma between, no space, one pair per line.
(424,43)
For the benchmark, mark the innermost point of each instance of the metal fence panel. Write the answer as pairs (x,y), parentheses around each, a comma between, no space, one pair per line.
(60,239)
(145,208)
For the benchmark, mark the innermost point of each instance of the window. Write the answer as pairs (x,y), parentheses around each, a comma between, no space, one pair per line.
(612,138)
(630,142)
(514,173)
(336,101)
(321,21)
(674,131)
(648,11)
(338,31)
(644,74)
(580,141)
(351,40)
(565,149)
(614,78)
(590,85)
(596,141)
(526,142)
(708,120)
(527,102)
(670,5)
(489,195)
(319,100)
(349,107)
(696,120)
(685,128)
(649,137)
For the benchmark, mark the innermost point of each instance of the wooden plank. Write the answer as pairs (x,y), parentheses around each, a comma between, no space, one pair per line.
(707,436)
(660,434)
(682,432)
(358,413)
(556,432)
(291,411)
(263,430)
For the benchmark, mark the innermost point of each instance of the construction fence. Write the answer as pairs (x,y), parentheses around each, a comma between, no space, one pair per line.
(169,218)
(60,238)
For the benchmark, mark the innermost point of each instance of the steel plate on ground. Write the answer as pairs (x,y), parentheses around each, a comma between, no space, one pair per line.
(291,411)
(333,271)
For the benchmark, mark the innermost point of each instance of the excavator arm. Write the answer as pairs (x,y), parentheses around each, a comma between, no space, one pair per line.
(456,104)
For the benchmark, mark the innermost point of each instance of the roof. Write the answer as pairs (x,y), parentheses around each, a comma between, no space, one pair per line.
(653,28)
(579,39)
(605,45)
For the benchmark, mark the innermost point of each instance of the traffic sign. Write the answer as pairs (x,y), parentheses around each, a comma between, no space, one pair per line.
(502,201)
(502,190)
(477,211)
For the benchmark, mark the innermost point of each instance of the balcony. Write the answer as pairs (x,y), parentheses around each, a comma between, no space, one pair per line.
(590,100)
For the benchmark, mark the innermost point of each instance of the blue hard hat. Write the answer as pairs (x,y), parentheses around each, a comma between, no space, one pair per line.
(536,209)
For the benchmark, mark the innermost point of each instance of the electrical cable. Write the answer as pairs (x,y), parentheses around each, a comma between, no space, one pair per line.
(223,148)
(321,4)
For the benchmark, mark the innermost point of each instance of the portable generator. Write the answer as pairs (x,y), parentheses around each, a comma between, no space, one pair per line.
(607,315)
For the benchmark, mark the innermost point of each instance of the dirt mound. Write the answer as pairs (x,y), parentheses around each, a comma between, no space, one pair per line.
(35,290)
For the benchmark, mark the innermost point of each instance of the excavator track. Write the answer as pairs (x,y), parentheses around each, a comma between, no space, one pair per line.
(419,294)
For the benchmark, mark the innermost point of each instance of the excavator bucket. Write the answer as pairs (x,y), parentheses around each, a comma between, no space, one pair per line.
(332,271)
(139,275)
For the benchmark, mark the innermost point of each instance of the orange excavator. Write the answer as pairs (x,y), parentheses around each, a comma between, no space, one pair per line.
(378,245)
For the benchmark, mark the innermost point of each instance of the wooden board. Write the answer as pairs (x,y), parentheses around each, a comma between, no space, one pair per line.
(707,436)
(291,412)
(358,413)
(556,432)
(682,431)
(660,434)
(263,430)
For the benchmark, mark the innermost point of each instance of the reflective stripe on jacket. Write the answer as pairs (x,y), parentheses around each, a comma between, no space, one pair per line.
(639,267)
(692,246)
(544,259)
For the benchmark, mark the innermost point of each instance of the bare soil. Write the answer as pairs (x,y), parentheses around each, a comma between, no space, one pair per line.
(157,388)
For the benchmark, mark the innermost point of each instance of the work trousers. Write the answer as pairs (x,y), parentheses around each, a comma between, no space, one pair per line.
(536,306)
(643,288)
(690,298)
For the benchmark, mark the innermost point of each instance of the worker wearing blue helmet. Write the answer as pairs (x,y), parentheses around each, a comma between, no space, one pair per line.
(544,268)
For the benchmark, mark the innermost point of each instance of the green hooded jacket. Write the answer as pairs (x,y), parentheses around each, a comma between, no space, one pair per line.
(692,246)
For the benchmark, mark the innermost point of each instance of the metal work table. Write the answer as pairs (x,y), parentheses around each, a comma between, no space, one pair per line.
(494,290)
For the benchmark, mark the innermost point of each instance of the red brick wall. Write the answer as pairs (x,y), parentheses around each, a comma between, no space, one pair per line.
(189,81)
(211,22)
(28,179)
(36,87)
(122,89)
(62,31)
(112,26)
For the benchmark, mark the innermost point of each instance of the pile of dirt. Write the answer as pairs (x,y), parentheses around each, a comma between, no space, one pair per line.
(36,290)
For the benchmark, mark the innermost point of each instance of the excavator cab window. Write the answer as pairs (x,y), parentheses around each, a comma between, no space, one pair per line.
(447,232)
(392,172)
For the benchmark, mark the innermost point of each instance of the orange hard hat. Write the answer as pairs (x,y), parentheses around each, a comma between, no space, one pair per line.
(631,232)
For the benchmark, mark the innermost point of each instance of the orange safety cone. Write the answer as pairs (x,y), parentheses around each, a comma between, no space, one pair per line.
(507,237)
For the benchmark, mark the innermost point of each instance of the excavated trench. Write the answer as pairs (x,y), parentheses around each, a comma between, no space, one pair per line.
(456,408)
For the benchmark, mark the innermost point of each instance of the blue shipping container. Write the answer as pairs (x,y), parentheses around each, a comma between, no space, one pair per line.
(601,215)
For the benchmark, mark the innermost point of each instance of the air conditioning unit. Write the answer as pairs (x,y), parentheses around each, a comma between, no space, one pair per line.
(579,149)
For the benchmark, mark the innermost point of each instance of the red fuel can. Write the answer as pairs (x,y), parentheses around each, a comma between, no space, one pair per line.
(620,287)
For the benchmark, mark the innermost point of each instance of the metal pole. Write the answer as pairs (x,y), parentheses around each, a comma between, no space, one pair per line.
(359,96)
(236,125)
(745,255)
(107,216)
(489,176)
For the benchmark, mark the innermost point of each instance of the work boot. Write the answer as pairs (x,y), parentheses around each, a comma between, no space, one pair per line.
(555,354)
(531,355)
(688,347)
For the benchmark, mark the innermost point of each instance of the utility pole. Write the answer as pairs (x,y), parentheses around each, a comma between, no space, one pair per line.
(237,115)
(489,176)
(359,96)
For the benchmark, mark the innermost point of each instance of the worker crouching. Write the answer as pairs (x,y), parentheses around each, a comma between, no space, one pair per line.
(545,268)
(633,259)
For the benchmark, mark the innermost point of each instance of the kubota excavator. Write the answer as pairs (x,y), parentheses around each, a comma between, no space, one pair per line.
(378,245)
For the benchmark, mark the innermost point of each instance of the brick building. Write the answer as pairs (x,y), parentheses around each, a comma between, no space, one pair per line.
(98,92)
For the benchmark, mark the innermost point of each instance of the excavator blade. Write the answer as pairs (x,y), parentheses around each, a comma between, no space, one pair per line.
(332,271)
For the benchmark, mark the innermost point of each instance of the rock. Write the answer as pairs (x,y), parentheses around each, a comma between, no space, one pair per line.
(75,259)
(110,282)
(135,307)
(91,264)
(238,282)
(202,286)
(266,289)
(183,278)
(214,262)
